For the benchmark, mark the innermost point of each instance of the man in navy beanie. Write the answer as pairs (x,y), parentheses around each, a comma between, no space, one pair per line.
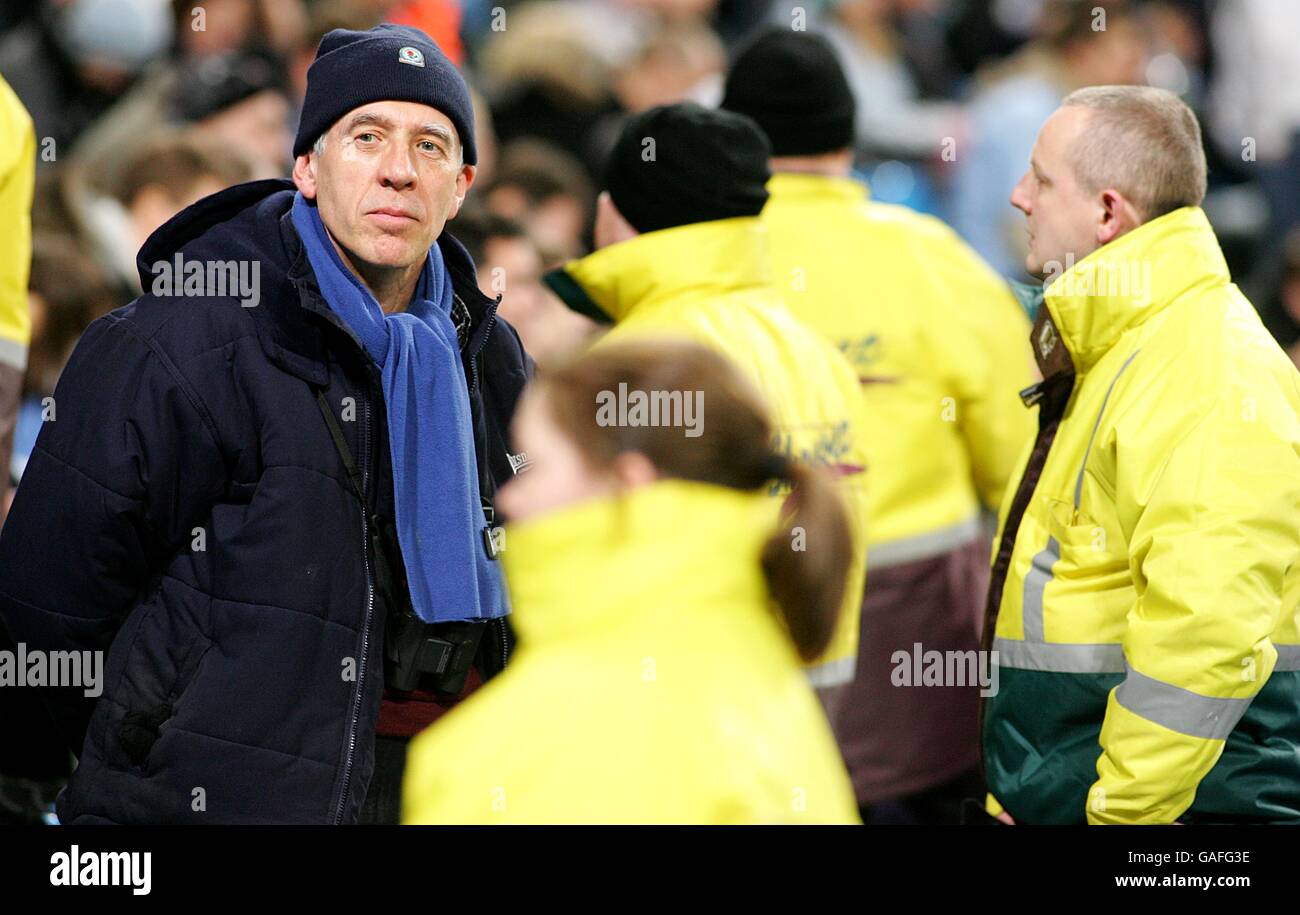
(267,504)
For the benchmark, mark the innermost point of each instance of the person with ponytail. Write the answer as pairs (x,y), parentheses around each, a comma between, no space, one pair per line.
(661,617)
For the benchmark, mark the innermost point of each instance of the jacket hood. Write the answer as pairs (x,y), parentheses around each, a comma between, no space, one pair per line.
(705,258)
(672,549)
(1121,285)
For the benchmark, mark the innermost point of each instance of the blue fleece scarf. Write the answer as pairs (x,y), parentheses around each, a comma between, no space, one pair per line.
(430,434)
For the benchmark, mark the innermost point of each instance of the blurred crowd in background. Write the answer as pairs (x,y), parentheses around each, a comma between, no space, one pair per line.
(142,107)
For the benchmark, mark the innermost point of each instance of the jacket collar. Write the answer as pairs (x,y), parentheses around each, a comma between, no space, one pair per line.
(812,188)
(1123,284)
(672,549)
(702,259)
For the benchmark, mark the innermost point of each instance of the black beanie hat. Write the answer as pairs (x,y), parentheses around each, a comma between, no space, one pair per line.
(792,84)
(387,63)
(679,164)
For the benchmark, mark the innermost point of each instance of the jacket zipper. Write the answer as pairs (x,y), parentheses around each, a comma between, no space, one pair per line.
(473,359)
(1052,395)
(365,633)
(370,591)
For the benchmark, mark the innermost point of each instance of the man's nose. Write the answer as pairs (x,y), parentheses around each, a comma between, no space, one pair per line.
(1020,194)
(396,168)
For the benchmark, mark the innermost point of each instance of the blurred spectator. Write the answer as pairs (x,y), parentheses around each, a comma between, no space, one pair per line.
(892,118)
(680,62)
(546,189)
(1013,99)
(164,175)
(1255,98)
(228,76)
(510,265)
(1178,49)
(212,27)
(987,30)
(548,76)
(72,61)
(238,100)
(67,292)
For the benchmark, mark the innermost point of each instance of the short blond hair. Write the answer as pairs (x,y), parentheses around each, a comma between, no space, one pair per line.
(1142,141)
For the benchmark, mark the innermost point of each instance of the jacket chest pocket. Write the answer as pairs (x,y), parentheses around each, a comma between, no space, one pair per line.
(1075,529)
(1087,548)
(1083,573)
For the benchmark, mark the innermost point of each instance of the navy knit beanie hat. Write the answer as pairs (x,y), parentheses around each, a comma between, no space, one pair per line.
(386,63)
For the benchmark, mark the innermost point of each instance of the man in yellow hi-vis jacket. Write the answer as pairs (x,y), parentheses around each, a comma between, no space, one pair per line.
(17,176)
(682,254)
(1144,595)
(940,347)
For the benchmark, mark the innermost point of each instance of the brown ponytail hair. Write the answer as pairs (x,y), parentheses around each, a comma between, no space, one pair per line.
(806,561)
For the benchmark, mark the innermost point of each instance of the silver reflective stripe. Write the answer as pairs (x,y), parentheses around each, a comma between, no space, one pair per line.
(1078,484)
(1179,709)
(832,673)
(1040,573)
(13,353)
(1288,657)
(923,546)
(1060,657)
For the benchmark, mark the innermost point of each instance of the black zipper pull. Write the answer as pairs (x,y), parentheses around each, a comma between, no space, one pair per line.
(1033,394)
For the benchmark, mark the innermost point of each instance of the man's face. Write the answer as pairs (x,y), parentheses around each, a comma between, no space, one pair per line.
(257,128)
(1060,216)
(387,181)
(513,267)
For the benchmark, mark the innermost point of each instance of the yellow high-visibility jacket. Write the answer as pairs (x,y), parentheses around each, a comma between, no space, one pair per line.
(937,340)
(709,282)
(651,683)
(1147,632)
(17,178)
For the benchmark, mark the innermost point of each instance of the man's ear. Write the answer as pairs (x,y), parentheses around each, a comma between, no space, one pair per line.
(304,174)
(1118,216)
(463,183)
(634,469)
(611,228)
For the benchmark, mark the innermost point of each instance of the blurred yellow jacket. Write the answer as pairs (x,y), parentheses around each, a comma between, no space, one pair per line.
(1147,583)
(17,178)
(710,283)
(937,340)
(940,347)
(651,683)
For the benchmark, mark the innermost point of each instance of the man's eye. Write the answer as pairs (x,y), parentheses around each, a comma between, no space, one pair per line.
(429,146)
(365,137)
